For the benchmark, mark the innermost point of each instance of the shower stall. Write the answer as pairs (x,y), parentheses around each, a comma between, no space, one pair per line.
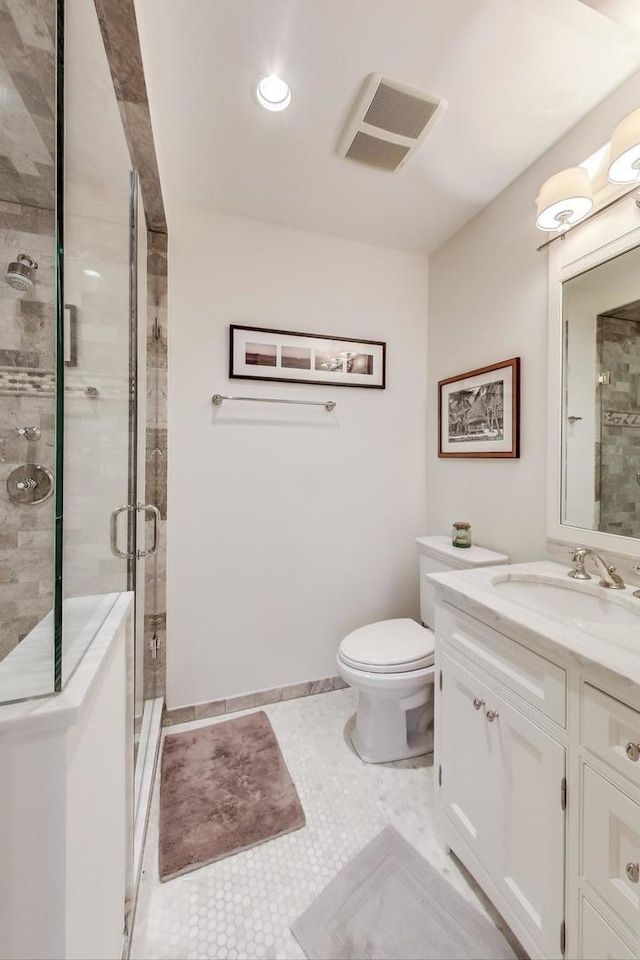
(76,528)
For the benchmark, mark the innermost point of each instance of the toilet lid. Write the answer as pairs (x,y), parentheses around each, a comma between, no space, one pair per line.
(389,646)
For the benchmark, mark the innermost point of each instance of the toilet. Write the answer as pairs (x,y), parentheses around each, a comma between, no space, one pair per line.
(391,664)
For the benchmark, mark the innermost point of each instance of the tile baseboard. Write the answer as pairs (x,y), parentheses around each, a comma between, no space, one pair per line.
(216,708)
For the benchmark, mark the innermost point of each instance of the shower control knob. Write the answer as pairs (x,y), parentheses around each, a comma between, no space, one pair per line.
(29,433)
(492,715)
(477,703)
(31,483)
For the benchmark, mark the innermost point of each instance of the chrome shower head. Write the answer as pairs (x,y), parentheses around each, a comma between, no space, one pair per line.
(20,273)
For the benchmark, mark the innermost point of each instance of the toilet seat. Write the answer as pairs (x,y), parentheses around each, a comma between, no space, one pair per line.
(389,646)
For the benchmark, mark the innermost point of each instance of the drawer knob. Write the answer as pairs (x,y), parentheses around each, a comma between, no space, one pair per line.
(477,703)
(492,715)
(633,872)
(633,751)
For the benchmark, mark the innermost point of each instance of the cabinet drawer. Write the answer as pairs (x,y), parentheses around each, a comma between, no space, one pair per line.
(534,678)
(610,842)
(611,730)
(599,941)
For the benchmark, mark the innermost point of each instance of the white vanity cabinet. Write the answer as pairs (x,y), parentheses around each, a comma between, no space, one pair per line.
(609,817)
(538,791)
(501,774)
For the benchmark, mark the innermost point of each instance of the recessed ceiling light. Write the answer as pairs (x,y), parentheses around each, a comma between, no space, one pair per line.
(273,93)
(91,273)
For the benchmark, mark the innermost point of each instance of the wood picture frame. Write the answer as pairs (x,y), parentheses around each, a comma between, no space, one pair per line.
(479,412)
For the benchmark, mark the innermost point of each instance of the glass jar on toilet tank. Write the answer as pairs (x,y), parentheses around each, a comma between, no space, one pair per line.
(461,534)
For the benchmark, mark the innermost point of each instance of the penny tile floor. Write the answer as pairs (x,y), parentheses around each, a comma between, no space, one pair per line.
(241,908)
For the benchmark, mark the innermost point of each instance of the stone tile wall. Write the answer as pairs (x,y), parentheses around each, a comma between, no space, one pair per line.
(156,463)
(27,399)
(27,119)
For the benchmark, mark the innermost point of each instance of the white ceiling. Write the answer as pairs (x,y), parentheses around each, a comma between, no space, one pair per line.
(517,74)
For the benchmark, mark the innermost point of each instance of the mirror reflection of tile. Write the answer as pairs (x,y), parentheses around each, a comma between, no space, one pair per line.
(602,397)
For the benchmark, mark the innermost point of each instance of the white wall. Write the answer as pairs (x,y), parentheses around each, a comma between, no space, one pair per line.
(65,804)
(488,302)
(287,526)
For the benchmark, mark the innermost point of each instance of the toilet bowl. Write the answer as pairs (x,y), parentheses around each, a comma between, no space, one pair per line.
(391,664)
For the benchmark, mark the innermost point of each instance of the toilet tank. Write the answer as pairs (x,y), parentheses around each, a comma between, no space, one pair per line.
(438,555)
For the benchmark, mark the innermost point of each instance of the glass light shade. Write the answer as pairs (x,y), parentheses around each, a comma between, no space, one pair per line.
(565,198)
(625,150)
(273,93)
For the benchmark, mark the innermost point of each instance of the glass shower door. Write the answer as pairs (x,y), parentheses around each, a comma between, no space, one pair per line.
(98,402)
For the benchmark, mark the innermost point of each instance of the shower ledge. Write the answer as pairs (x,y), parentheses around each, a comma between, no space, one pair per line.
(56,711)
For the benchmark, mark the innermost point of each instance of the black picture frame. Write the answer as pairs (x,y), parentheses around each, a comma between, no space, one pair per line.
(286,356)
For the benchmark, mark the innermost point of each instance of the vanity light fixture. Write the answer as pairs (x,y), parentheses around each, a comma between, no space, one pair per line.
(273,93)
(625,150)
(565,199)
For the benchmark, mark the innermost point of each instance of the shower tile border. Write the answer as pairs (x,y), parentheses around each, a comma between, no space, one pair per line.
(259,698)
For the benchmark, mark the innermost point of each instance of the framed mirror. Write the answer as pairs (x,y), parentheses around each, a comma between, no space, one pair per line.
(594,410)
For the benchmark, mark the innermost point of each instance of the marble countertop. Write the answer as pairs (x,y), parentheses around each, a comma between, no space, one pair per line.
(613,649)
(47,714)
(27,671)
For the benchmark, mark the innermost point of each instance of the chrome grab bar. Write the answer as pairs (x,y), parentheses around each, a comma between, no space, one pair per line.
(329,405)
(131,508)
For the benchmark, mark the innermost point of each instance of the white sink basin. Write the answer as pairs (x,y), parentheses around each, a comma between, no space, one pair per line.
(568,601)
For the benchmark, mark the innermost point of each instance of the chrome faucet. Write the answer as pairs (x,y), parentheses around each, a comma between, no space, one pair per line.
(608,576)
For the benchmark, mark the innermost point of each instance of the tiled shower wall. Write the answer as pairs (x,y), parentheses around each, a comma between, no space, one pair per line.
(619,407)
(27,342)
(27,336)
(156,464)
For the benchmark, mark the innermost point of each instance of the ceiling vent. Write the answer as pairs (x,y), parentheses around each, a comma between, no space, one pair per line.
(388,122)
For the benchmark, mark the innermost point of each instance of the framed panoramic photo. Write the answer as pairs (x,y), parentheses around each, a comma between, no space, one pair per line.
(479,412)
(258,353)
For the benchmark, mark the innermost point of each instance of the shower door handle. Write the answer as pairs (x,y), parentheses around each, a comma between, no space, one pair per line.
(130,508)
(155,513)
(126,508)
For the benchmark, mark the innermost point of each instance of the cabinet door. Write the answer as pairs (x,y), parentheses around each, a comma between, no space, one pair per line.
(465,757)
(598,941)
(530,823)
(501,788)
(610,855)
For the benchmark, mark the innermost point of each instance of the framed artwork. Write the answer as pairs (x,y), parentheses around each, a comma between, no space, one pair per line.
(258,353)
(70,335)
(479,412)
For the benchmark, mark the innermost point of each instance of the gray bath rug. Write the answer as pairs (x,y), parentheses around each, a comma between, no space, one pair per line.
(390,904)
(223,788)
